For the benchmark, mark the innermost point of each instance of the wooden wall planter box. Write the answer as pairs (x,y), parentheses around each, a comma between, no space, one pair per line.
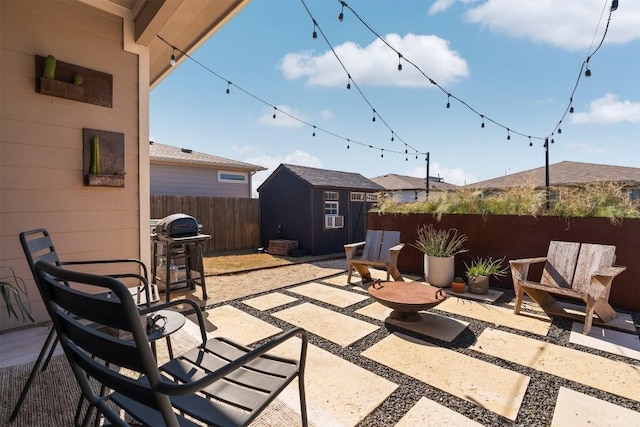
(516,237)
(96,88)
(105,180)
(282,247)
(61,89)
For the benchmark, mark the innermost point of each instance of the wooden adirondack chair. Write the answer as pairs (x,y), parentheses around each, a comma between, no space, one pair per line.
(584,271)
(381,249)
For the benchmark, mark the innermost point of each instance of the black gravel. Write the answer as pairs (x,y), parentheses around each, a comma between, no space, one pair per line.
(539,401)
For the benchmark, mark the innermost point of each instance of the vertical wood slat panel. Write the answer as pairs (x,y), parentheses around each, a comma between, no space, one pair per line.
(234,223)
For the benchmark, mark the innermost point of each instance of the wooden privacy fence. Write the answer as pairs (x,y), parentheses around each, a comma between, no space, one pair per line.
(233,223)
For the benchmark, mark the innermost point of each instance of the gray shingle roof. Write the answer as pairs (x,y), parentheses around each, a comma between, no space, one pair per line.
(335,179)
(168,153)
(565,173)
(393,182)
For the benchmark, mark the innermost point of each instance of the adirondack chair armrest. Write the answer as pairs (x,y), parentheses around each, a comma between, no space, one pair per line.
(528,260)
(397,247)
(520,267)
(609,271)
(394,252)
(350,250)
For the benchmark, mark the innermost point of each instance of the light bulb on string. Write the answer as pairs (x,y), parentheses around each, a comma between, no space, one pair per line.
(508,134)
(559,130)
(348,81)
(228,85)
(315,33)
(373,119)
(274,112)
(571,105)
(587,72)
(530,143)
(341,15)
(399,63)
(482,117)
(392,138)
(348,144)
(448,100)
(314,130)
(382,153)
(172,61)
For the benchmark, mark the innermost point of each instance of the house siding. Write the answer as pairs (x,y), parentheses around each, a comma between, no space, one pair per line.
(41,176)
(192,180)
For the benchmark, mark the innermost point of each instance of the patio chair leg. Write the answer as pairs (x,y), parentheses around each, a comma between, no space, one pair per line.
(303,401)
(51,337)
(50,355)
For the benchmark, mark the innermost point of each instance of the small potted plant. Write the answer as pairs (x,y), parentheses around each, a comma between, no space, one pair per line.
(479,272)
(12,287)
(458,285)
(439,248)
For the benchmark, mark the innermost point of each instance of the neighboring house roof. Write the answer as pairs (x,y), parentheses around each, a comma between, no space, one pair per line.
(328,179)
(170,154)
(565,173)
(393,182)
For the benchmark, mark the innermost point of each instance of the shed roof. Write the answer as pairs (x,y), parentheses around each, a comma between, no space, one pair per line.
(393,182)
(170,154)
(328,179)
(565,173)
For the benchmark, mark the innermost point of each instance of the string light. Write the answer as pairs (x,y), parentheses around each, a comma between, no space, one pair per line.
(348,81)
(274,112)
(315,33)
(373,119)
(482,117)
(399,63)
(382,153)
(392,138)
(508,134)
(530,143)
(314,130)
(348,144)
(341,16)
(228,85)
(571,105)
(448,100)
(172,61)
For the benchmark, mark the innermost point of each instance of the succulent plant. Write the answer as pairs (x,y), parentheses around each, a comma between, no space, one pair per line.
(77,80)
(50,67)
(95,156)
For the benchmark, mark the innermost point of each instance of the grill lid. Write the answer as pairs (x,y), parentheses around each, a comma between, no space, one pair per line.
(177,225)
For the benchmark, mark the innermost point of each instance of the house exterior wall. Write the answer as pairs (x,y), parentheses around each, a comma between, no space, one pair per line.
(41,177)
(193,180)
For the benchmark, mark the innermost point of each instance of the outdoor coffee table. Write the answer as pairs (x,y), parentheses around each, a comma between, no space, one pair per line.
(406,298)
(168,322)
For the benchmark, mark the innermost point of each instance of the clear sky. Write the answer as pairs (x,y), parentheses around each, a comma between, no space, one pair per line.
(513,62)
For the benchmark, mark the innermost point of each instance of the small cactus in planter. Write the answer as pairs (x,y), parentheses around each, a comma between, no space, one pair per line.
(50,67)
(95,156)
(77,80)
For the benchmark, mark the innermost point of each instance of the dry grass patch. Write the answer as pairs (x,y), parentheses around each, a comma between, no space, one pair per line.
(234,262)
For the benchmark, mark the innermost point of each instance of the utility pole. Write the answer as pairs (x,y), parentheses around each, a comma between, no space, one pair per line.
(546,172)
(427,180)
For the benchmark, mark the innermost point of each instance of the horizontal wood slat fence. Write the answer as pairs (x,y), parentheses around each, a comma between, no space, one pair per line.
(233,223)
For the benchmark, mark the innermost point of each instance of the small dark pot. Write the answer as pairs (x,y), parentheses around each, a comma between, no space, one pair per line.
(479,285)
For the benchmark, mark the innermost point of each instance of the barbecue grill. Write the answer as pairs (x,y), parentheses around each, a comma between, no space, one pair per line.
(177,225)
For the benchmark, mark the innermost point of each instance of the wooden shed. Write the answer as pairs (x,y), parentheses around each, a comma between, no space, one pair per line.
(320,209)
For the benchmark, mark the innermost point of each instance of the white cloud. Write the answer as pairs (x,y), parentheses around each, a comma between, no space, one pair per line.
(283,117)
(567,24)
(608,109)
(298,157)
(455,176)
(243,149)
(443,5)
(327,114)
(377,65)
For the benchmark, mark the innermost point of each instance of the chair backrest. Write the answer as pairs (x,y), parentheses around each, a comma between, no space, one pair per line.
(591,259)
(37,245)
(377,244)
(83,320)
(561,264)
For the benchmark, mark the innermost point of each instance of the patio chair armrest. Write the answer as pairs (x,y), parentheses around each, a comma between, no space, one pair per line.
(520,268)
(196,309)
(350,250)
(528,260)
(396,248)
(609,271)
(195,386)
(110,261)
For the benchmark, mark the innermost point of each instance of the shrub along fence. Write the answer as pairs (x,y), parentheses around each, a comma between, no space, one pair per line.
(515,237)
(233,223)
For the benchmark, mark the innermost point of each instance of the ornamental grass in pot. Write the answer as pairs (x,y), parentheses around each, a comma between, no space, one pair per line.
(439,248)
(479,272)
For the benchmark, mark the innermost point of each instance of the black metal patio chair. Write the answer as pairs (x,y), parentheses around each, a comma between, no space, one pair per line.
(219,383)
(38,245)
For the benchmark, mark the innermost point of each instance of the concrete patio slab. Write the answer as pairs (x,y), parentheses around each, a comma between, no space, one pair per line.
(269,301)
(327,294)
(426,412)
(594,371)
(433,325)
(535,324)
(339,393)
(489,386)
(336,327)
(615,342)
(228,321)
(340,280)
(578,409)
(490,296)
(623,321)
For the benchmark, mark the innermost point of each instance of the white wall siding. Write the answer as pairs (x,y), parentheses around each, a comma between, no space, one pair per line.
(192,180)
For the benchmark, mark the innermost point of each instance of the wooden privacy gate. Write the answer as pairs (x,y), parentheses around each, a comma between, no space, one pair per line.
(233,223)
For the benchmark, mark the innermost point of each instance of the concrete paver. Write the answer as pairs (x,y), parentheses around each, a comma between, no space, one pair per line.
(336,327)
(614,342)
(595,371)
(228,321)
(327,294)
(578,409)
(492,387)
(269,301)
(426,412)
